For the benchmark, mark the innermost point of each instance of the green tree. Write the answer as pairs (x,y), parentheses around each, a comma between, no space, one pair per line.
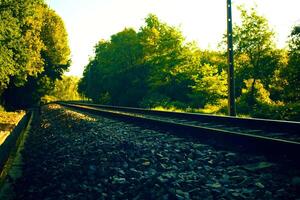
(65,89)
(292,72)
(153,67)
(210,85)
(169,60)
(20,44)
(255,53)
(50,58)
(116,71)
(56,53)
(209,77)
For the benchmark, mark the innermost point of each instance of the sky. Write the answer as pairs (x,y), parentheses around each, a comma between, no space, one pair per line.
(203,21)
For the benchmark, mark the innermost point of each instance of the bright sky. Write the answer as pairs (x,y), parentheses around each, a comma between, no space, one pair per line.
(88,21)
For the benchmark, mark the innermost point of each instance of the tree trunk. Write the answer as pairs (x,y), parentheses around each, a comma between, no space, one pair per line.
(252,94)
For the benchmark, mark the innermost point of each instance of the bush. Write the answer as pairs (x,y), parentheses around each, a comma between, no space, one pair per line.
(2,109)
(289,112)
(154,100)
(48,98)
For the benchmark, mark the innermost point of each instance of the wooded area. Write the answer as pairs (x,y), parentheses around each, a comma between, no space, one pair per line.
(34,52)
(156,66)
(151,67)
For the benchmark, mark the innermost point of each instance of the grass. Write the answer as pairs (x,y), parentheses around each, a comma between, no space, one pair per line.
(205,110)
(8,120)
(208,109)
(11,117)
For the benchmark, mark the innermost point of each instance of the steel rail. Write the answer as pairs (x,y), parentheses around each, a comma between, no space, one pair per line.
(272,147)
(262,124)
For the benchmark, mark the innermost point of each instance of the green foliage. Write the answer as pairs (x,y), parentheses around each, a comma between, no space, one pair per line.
(258,64)
(36,53)
(20,42)
(64,90)
(210,85)
(256,60)
(255,55)
(167,58)
(264,106)
(273,111)
(292,71)
(56,53)
(260,94)
(116,72)
(290,111)
(152,67)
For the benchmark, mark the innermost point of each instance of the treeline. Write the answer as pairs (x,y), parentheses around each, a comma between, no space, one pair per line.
(156,66)
(65,89)
(152,67)
(34,52)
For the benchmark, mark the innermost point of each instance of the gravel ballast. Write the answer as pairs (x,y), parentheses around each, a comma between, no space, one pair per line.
(70,155)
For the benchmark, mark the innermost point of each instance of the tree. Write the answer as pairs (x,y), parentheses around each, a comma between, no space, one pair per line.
(169,61)
(255,54)
(116,71)
(64,90)
(20,44)
(56,53)
(210,85)
(153,67)
(53,53)
(292,72)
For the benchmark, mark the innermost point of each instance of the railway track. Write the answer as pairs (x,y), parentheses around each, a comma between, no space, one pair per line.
(114,159)
(272,137)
